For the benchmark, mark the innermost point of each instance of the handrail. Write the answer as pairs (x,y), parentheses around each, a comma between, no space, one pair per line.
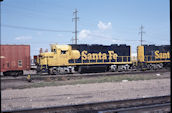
(151,58)
(122,59)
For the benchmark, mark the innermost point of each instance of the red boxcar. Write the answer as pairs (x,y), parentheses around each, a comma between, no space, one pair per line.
(14,59)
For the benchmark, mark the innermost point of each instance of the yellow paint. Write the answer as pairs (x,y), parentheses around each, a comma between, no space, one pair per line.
(140,53)
(159,55)
(104,56)
(98,56)
(59,55)
(75,54)
(84,56)
(28,77)
(93,56)
(112,55)
(73,64)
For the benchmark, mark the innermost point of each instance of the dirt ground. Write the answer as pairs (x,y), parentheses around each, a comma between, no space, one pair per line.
(20,84)
(82,93)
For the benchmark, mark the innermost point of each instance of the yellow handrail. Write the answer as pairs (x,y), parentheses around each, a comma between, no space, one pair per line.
(110,60)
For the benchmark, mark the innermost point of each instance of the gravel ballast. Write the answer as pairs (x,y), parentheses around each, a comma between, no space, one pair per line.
(82,93)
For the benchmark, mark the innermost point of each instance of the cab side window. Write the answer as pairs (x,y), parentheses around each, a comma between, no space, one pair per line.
(54,50)
(63,52)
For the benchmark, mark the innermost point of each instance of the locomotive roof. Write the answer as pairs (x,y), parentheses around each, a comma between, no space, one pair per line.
(98,45)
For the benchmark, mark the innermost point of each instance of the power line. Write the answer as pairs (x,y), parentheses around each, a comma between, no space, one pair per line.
(31,12)
(76,19)
(33,29)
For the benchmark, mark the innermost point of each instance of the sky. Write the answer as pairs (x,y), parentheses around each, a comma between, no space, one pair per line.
(100,22)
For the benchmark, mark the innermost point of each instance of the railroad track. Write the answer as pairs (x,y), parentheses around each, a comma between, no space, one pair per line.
(79,76)
(160,104)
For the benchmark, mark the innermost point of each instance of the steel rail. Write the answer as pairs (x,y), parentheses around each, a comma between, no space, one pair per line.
(76,76)
(165,108)
(120,105)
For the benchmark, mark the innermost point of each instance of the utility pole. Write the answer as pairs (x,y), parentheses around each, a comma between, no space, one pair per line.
(76,19)
(141,32)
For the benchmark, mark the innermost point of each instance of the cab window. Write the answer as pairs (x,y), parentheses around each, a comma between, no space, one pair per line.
(63,52)
(53,50)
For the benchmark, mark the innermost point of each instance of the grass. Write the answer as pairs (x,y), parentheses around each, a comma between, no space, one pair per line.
(102,79)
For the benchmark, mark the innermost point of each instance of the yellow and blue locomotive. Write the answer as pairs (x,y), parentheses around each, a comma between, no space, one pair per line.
(85,58)
(153,57)
(95,58)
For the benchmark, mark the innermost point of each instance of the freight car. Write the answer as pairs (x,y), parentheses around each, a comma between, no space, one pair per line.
(84,58)
(153,57)
(14,59)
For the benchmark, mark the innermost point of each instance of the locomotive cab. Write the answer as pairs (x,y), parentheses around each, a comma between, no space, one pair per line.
(62,54)
(58,57)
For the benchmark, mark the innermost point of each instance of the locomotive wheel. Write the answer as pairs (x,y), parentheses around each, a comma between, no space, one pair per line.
(56,72)
(134,68)
(52,71)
